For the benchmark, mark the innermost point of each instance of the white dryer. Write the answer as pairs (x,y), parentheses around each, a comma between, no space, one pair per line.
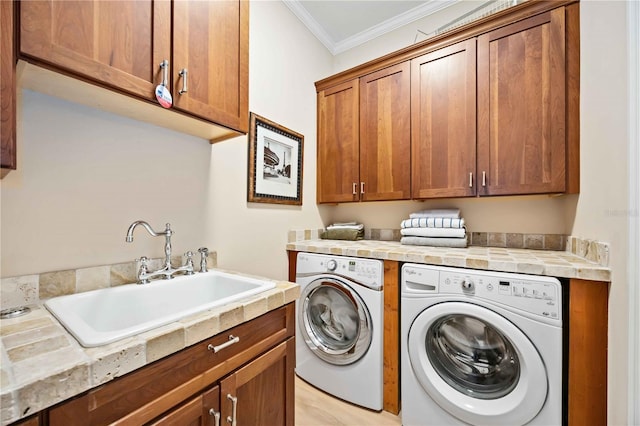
(339,326)
(480,348)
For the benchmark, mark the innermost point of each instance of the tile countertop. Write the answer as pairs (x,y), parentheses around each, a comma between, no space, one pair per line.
(560,264)
(42,364)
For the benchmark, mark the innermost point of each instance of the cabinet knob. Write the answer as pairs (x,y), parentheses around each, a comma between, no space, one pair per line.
(484,178)
(470,179)
(355,188)
(362,187)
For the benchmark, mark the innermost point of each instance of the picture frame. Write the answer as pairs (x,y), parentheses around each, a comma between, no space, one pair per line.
(275,163)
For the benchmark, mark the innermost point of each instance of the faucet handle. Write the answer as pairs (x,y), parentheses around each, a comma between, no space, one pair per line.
(189,262)
(204,253)
(142,270)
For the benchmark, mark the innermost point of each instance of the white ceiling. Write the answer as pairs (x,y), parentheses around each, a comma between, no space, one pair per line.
(343,24)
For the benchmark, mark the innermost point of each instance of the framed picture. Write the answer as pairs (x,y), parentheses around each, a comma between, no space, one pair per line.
(275,163)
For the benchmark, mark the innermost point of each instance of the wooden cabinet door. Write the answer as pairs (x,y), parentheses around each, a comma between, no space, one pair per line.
(199,411)
(443,122)
(521,106)
(263,389)
(338,144)
(211,42)
(7,89)
(117,43)
(385,134)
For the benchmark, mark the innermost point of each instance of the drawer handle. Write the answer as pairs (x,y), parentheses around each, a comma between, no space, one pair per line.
(216,416)
(362,187)
(232,340)
(471,180)
(484,178)
(355,186)
(234,405)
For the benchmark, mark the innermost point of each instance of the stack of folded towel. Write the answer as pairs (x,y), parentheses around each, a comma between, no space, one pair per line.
(437,227)
(344,231)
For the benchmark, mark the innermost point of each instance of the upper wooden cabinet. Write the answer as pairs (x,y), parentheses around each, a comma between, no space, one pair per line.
(121,44)
(117,43)
(385,137)
(521,105)
(494,110)
(364,138)
(338,144)
(7,89)
(443,122)
(211,60)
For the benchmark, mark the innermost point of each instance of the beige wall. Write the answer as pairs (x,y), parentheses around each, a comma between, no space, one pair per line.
(85,175)
(602,210)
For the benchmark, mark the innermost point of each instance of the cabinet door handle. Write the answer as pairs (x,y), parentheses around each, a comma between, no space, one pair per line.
(183,74)
(216,416)
(234,404)
(164,66)
(355,188)
(484,178)
(471,180)
(232,340)
(362,187)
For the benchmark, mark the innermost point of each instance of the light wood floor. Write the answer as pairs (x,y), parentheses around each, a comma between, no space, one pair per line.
(316,408)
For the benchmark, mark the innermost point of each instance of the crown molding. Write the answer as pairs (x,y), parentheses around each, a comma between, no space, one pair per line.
(389,25)
(313,25)
(398,21)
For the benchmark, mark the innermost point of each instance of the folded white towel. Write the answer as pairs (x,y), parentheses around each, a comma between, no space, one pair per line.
(453,213)
(433,222)
(435,232)
(435,242)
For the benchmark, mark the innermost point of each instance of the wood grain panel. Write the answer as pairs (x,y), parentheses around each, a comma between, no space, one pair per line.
(443,122)
(116,43)
(572,14)
(391,350)
(521,86)
(262,388)
(7,89)
(338,144)
(293,262)
(210,42)
(385,134)
(588,324)
(194,412)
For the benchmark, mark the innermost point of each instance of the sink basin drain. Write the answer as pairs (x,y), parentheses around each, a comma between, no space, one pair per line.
(14,312)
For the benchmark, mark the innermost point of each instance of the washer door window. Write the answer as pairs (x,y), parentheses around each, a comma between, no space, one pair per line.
(477,365)
(334,322)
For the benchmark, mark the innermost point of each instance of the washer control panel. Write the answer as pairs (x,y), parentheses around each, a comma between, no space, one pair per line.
(368,272)
(534,294)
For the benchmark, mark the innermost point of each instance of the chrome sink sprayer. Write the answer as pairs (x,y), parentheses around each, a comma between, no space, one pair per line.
(167,271)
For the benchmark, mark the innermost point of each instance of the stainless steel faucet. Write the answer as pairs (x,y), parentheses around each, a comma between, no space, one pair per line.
(167,271)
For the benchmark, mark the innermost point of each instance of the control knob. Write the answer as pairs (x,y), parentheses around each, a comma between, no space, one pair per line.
(332,265)
(467,285)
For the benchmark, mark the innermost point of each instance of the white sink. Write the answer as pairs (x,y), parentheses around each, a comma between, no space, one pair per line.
(103,316)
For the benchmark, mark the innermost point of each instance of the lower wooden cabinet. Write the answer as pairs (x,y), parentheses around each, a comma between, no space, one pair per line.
(250,381)
(256,394)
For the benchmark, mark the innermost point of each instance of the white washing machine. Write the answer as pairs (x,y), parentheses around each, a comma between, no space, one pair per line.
(339,326)
(480,348)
